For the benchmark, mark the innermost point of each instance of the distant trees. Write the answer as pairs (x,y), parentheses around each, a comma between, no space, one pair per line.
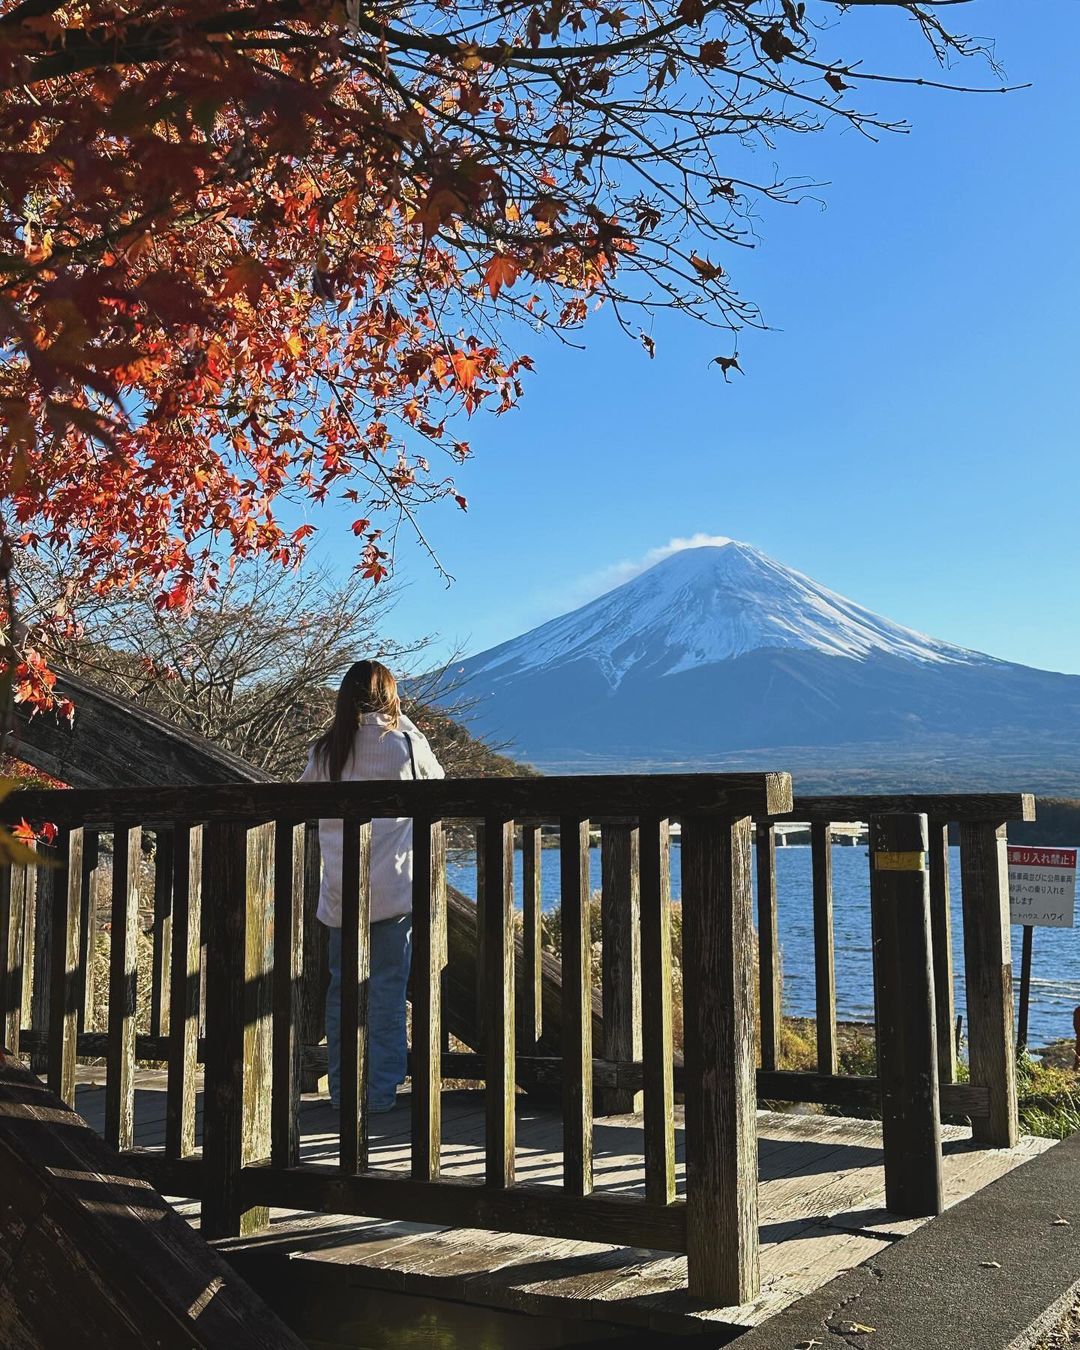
(253,666)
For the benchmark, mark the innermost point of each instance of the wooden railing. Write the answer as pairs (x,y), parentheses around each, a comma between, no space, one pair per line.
(978,822)
(228,985)
(234,872)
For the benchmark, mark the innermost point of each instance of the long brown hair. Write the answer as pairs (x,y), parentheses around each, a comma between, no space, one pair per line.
(368,687)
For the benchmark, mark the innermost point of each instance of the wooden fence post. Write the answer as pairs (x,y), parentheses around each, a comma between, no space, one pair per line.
(824,957)
(577,1006)
(160,968)
(426,1066)
(905,1014)
(237,891)
(480,847)
(500,1132)
(88,928)
(12,909)
(530,984)
(65,885)
(941,937)
(185,991)
(768,948)
(287,986)
(316,977)
(659,1121)
(620,935)
(984,883)
(28,891)
(123,987)
(721,1098)
(39,963)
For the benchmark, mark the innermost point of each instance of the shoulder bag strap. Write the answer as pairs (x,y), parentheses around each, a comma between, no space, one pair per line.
(412,756)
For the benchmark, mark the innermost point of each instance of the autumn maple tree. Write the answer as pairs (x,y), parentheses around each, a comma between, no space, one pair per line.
(253,252)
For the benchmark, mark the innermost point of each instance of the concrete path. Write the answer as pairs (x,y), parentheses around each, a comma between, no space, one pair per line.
(993,1273)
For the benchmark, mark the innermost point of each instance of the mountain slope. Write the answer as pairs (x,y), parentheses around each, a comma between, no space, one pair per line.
(720,651)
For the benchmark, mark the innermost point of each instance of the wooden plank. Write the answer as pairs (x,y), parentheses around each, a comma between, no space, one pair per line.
(955,806)
(184,992)
(355,982)
(721,1126)
(162,932)
(547,1211)
(596,795)
(905,1014)
(100,1258)
(13,881)
(88,926)
(316,977)
(225,888)
(426,1002)
(769,980)
(440,932)
(480,854)
(961,1099)
(120,1083)
(562,1280)
(620,934)
(546,1071)
(984,883)
(258,1004)
(780,1085)
(29,884)
(39,964)
(531,1024)
(577,1006)
(941,939)
(288,974)
(66,889)
(499,1009)
(115,742)
(658,1103)
(824,947)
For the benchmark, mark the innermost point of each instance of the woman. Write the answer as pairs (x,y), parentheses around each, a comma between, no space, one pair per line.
(370,738)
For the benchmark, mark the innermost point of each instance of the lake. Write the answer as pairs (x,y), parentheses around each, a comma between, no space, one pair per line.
(1055,985)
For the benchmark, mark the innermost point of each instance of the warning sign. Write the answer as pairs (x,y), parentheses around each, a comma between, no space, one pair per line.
(1042,886)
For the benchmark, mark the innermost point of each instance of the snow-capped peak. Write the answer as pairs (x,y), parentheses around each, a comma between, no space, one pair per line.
(704,605)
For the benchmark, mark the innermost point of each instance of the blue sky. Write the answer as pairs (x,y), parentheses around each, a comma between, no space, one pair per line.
(906,433)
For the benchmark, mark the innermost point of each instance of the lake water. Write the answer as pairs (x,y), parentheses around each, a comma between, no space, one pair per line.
(1055,985)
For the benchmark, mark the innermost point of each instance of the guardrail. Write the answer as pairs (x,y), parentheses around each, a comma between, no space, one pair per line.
(235,874)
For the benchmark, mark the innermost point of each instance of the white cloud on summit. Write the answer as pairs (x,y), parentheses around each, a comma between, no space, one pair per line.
(588,587)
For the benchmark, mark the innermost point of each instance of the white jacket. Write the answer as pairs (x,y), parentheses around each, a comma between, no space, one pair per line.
(377,753)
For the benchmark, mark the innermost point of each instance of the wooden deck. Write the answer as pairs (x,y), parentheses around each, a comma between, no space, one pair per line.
(821,1207)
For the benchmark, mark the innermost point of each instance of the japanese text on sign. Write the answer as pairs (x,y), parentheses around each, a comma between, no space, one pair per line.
(1042,886)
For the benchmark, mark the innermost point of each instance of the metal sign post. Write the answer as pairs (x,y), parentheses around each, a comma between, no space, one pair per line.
(1042,893)
(1025,988)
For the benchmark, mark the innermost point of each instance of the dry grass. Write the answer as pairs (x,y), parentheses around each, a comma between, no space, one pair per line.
(1066,1334)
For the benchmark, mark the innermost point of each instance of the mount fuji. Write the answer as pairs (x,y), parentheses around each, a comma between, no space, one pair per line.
(720,657)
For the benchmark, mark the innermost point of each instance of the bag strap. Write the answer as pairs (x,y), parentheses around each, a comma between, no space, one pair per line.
(412,756)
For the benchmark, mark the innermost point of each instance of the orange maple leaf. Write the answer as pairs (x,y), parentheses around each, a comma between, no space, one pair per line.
(466,368)
(501,271)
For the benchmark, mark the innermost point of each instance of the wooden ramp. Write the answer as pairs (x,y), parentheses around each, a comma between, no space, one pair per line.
(91,1255)
(822,1211)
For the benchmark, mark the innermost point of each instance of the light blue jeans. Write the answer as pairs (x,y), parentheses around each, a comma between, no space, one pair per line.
(391,953)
